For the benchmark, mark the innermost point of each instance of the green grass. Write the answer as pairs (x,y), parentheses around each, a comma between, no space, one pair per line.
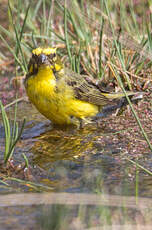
(80,28)
(12,133)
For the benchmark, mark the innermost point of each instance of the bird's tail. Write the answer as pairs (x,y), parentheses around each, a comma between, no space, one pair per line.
(120,94)
(109,109)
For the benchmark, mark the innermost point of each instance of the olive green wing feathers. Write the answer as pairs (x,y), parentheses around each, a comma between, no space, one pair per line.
(84,89)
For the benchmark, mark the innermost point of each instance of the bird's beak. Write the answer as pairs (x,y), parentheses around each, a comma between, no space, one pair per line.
(42,59)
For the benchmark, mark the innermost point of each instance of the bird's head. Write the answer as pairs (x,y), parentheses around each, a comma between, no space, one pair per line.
(44,57)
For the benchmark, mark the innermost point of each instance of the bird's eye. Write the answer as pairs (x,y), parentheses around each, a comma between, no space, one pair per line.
(34,56)
(52,56)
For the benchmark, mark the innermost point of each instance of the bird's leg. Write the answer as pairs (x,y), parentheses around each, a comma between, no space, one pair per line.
(81,123)
(77,122)
(84,121)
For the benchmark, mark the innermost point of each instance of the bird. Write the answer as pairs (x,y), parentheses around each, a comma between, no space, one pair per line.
(62,95)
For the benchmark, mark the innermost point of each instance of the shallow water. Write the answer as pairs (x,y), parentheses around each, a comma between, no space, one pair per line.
(92,160)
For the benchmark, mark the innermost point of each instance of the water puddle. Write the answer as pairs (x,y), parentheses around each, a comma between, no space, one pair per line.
(91,161)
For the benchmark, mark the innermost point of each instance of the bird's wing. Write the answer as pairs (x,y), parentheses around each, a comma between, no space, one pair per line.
(84,89)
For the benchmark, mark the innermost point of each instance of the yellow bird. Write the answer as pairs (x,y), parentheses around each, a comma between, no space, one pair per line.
(61,95)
